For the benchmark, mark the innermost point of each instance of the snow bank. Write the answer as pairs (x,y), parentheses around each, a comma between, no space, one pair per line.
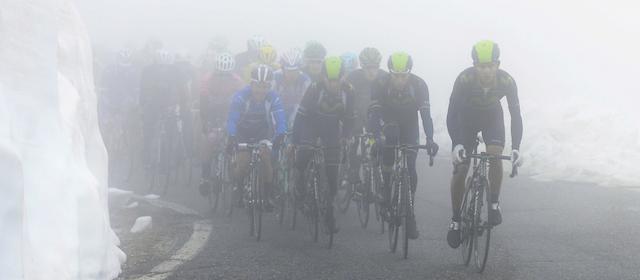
(141,224)
(53,211)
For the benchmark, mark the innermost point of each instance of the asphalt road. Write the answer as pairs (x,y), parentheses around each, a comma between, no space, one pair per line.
(551,230)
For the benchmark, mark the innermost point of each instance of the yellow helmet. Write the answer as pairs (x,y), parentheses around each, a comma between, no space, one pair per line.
(267,54)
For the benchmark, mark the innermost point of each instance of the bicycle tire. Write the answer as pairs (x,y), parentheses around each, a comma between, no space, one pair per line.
(257,210)
(483,253)
(466,226)
(405,206)
(363,210)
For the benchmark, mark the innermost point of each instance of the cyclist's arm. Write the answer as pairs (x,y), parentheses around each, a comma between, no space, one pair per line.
(516,116)
(278,113)
(375,110)
(234,114)
(303,114)
(349,117)
(205,104)
(453,114)
(424,107)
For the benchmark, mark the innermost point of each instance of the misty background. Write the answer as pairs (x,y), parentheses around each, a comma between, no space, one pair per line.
(574,61)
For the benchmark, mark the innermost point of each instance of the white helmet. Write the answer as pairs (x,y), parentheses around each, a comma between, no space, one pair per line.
(225,62)
(163,57)
(291,59)
(255,42)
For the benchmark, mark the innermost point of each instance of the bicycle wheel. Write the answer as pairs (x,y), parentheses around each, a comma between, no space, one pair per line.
(282,184)
(406,213)
(394,225)
(249,202)
(326,206)
(467,224)
(363,206)
(311,202)
(258,200)
(481,249)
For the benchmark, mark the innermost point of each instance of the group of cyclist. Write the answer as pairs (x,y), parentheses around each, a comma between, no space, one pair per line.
(303,97)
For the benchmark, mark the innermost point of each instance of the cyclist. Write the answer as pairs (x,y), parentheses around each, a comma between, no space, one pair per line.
(250,121)
(267,55)
(290,82)
(162,95)
(362,81)
(215,96)
(475,107)
(119,99)
(313,55)
(393,113)
(250,55)
(325,108)
(350,62)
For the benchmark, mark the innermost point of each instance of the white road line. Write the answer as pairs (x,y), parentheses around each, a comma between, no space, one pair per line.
(201,233)
(170,205)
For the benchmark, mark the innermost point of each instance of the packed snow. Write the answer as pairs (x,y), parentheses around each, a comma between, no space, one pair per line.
(53,211)
(141,224)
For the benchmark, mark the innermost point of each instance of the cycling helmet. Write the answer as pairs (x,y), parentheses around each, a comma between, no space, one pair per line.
(163,57)
(314,50)
(485,51)
(349,61)
(262,73)
(291,59)
(267,54)
(225,62)
(370,57)
(400,62)
(332,68)
(255,42)
(124,57)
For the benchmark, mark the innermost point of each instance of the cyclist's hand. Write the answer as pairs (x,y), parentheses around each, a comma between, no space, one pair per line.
(278,142)
(232,144)
(516,158)
(432,148)
(458,154)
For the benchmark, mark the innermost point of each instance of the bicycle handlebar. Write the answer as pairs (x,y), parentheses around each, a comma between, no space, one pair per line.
(485,156)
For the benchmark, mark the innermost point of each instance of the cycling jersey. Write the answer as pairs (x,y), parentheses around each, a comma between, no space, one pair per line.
(121,91)
(216,91)
(320,108)
(252,120)
(473,109)
(320,116)
(291,93)
(362,96)
(401,107)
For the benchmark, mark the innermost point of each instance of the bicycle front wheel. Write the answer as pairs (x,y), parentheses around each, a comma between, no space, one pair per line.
(467,225)
(257,209)
(483,232)
(394,217)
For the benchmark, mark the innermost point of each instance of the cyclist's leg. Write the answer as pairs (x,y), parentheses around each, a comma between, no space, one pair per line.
(391,138)
(493,133)
(494,136)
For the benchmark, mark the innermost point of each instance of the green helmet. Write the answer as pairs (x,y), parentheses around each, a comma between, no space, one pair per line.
(314,50)
(370,56)
(332,68)
(485,51)
(400,62)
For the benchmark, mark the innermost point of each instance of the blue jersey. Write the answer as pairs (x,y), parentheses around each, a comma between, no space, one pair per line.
(253,120)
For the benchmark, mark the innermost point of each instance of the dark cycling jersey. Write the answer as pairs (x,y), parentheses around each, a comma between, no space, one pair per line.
(401,108)
(473,108)
(319,108)
(362,96)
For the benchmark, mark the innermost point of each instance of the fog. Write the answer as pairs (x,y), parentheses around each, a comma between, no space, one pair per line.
(568,57)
